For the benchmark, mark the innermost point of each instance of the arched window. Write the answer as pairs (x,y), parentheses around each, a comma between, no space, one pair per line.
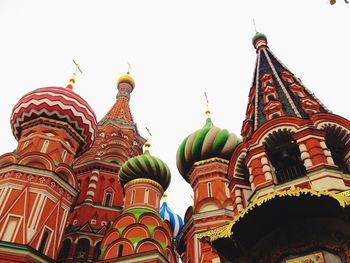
(43,241)
(82,251)
(97,251)
(284,155)
(132,197)
(270,97)
(108,198)
(275,115)
(209,190)
(336,139)
(64,250)
(120,250)
(146,196)
(44,147)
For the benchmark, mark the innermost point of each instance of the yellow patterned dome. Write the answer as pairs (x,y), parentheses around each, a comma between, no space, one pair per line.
(126,79)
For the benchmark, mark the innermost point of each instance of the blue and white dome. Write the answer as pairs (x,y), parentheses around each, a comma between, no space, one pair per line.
(175,220)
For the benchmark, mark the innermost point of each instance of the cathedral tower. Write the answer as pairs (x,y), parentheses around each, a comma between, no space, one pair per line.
(139,234)
(38,186)
(289,176)
(101,195)
(202,160)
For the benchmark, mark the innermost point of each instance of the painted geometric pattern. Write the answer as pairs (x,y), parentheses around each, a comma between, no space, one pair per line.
(56,103)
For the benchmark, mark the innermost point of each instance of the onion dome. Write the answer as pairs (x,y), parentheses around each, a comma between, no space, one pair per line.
(175,220)
(126,79)
(145,166)
(259,40)
(60,105)
(208,142)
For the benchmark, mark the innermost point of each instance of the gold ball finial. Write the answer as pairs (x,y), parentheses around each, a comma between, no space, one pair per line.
(147,145)
(73,77)
(207,112)
(164,197)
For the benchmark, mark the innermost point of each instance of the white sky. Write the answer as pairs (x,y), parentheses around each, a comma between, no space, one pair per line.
(178,50)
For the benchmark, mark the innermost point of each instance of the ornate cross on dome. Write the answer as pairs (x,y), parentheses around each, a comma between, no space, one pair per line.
(148,144)
(129,68)
(77,67)
(72,79)
(207,110)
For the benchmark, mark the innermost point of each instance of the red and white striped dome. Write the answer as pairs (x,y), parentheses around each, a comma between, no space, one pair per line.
(61,104)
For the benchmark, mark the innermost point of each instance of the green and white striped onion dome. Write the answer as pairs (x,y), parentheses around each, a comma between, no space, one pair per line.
(205,143)
(145,166)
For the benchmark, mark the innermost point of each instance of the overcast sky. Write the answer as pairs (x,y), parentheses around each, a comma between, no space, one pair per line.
(178,50)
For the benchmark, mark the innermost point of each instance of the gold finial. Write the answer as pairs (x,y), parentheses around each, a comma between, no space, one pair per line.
(148,143)
(72,79)
(164,197)
(129,69)
(207,110)
(256,31)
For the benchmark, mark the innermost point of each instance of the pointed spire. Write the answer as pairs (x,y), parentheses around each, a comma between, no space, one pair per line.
(275,91)
(120,111)
(73,77)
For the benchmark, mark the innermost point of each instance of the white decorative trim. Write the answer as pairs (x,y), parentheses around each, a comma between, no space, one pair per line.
(90,193)
(44,173)
(256,91)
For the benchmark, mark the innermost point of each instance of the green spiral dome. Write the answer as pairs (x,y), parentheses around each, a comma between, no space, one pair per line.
(208,142)
(145,166)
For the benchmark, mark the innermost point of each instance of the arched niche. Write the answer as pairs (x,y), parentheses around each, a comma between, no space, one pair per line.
(284,155)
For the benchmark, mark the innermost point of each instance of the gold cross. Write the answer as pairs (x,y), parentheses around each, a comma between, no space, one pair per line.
(129,68)
(206,98)
(149,132)
(256,31)
(207,110)
(77,67)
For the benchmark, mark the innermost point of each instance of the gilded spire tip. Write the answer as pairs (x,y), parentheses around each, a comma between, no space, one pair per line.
(129,68)
(73,77)
(207,110)
(256,31)
(164,197)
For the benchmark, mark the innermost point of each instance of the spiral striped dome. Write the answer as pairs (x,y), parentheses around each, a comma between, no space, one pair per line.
(60,104)
(205,143)
(175,220)
(145,166)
